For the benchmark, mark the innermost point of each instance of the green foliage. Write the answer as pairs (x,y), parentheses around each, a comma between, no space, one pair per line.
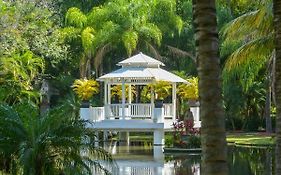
(189,91)
(74,17)
(51,144)
(133,25)
(251,34)
(18,75)
(25,25)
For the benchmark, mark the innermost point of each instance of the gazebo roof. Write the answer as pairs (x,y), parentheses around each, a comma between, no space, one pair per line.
(140,60)
(143,69)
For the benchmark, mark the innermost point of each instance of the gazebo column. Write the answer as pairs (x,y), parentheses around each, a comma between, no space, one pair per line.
(174,99)
(109,93)
(130,99)
(106,107)
(123,98)
(105,93)
(152,102)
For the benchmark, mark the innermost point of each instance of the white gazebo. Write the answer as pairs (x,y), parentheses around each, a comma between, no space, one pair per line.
(127,116)
(138,70)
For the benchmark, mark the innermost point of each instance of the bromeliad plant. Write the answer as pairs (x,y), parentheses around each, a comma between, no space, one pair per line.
(85,88)
(185,135)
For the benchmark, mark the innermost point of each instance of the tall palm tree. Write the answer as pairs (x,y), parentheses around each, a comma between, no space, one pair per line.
(214,154)
(277,27)
(53,144)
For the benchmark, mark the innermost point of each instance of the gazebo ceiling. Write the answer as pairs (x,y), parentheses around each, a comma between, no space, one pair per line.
(141,69)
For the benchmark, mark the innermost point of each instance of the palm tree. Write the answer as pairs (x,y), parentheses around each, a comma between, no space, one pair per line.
(277,27)
(52,144)
(252,36)
(214,154)
(134,25)
(78,29)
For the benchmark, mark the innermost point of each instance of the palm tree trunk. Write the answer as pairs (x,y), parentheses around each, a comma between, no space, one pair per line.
(277,27)
(214,159)
(268,124)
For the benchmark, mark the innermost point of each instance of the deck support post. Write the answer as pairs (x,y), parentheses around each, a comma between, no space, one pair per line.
(124,136)
(158,137)
(97,139)
(105,135)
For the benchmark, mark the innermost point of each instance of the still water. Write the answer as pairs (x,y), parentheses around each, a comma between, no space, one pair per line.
(150,160)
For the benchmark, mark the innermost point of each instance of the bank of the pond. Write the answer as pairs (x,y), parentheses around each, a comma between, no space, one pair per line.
(246,139)
(251,139)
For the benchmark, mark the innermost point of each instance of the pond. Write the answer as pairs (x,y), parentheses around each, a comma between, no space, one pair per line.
(149,160)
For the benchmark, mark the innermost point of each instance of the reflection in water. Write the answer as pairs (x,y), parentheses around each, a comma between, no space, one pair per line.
(250,161)
(149,160)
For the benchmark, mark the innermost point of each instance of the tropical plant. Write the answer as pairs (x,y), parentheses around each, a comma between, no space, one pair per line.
(85,88)
(51,144)
(18,74)
(78,30)
(116,91)
(250,37)
(213,134)
(26,25)
(277,27)
(190,90)
(161,89)
(136,24)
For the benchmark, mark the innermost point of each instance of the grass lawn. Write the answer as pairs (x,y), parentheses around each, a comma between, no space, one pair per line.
(252,139)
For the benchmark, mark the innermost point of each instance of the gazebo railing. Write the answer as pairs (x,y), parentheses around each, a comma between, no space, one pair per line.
(96,114)
(140,110)
(168,110)
(132,111)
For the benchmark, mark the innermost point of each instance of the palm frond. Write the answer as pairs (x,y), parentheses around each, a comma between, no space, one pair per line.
(246,61)
(74,17)
(150,32)
(88,37)
(176,52)
(70,33)
(130,40)
(153,50)
(250,25)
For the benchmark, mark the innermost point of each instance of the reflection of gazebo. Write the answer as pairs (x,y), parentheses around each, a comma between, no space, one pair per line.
(138,70)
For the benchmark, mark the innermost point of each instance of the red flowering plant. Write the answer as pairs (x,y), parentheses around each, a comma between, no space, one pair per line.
(185,135)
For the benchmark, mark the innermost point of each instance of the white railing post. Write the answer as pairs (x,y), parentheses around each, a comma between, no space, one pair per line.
(158,115)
